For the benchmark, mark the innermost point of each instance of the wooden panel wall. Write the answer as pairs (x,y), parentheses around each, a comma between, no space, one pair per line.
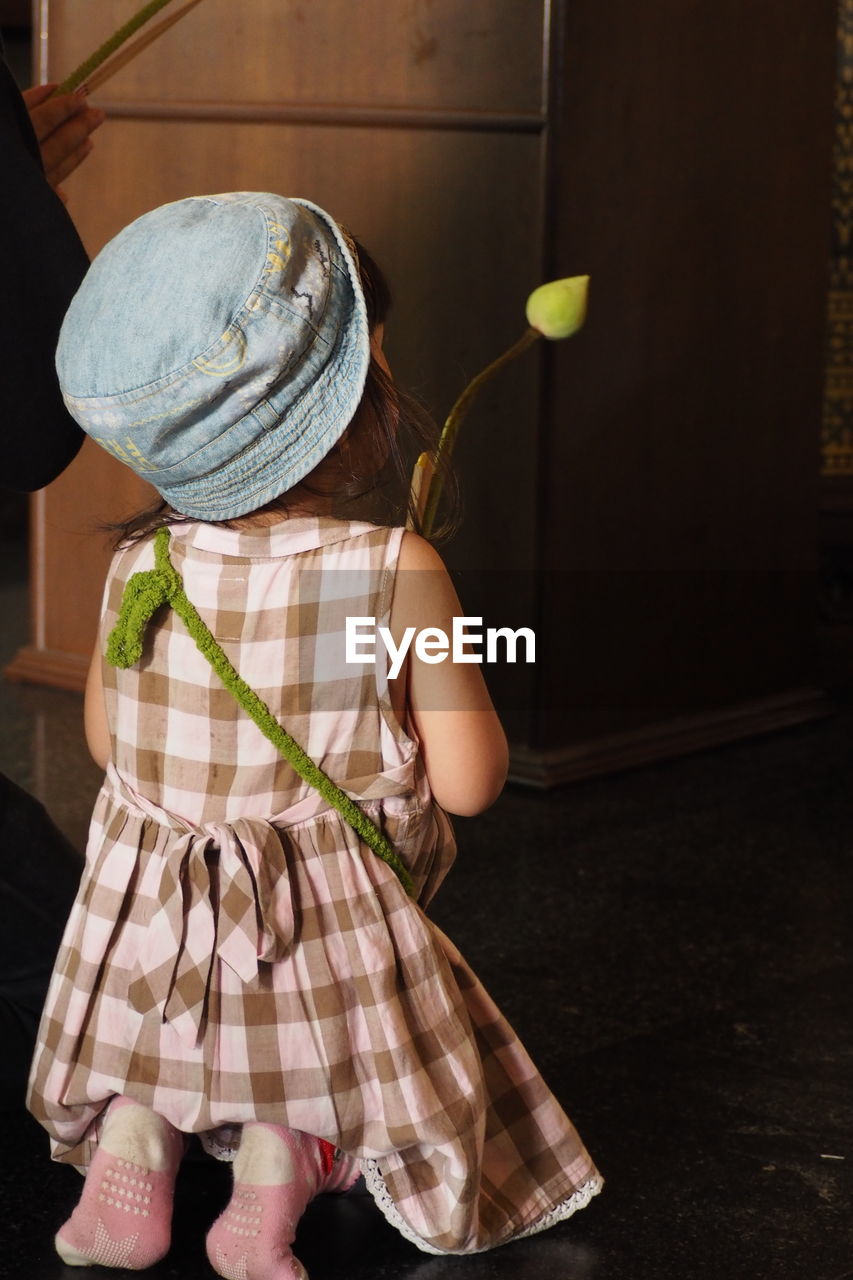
(645,495)
(691,176)
(420,125)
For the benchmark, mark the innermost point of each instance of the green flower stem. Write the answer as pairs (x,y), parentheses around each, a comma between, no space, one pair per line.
(108,48)
(457,415)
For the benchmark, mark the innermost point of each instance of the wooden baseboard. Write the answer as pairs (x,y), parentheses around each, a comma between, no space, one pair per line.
(48,666)
(668,738)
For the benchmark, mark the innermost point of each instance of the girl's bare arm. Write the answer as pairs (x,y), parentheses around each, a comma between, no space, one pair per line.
(462,742)
(95,714)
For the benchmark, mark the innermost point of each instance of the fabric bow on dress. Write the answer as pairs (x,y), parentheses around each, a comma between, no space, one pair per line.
(224,893)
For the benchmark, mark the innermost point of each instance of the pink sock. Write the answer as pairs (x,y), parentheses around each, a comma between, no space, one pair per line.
(341,1172)
(276,1173)
(124,1218)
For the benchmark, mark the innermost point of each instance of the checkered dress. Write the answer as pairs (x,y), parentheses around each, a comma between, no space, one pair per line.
(235,953)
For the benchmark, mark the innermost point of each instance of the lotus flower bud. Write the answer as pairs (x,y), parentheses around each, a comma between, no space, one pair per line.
(558,309)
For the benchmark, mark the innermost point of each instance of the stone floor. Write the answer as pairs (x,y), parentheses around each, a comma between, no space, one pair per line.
(675,947)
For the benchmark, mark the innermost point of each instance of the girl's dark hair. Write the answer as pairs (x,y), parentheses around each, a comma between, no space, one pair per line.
(372,462)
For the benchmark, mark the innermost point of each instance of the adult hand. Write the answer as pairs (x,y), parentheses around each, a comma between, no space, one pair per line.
(62,126)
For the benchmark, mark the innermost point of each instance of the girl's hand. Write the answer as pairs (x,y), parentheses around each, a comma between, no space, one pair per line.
(63,127)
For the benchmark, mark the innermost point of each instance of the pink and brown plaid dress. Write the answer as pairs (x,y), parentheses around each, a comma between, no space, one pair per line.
(235,953)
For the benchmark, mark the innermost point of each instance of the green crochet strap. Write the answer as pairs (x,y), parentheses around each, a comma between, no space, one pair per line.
(108,48)
(146,592)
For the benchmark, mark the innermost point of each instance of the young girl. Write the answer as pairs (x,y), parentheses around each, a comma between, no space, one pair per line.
(247,959)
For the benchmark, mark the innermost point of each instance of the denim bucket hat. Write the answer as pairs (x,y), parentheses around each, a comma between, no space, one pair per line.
(219,347)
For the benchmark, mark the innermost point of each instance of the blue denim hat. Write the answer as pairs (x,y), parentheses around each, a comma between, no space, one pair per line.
(219,347)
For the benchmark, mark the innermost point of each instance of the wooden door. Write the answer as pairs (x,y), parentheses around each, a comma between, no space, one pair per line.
(421,125)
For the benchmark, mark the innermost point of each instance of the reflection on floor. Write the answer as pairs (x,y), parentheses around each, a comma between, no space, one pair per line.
(675,947)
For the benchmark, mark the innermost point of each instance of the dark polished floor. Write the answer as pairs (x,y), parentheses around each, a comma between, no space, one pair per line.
(675,947)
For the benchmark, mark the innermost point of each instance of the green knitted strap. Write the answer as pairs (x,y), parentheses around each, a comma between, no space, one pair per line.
(144,594)
(108,48)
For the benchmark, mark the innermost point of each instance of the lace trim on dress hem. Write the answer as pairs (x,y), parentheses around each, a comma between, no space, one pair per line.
(565,1209)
